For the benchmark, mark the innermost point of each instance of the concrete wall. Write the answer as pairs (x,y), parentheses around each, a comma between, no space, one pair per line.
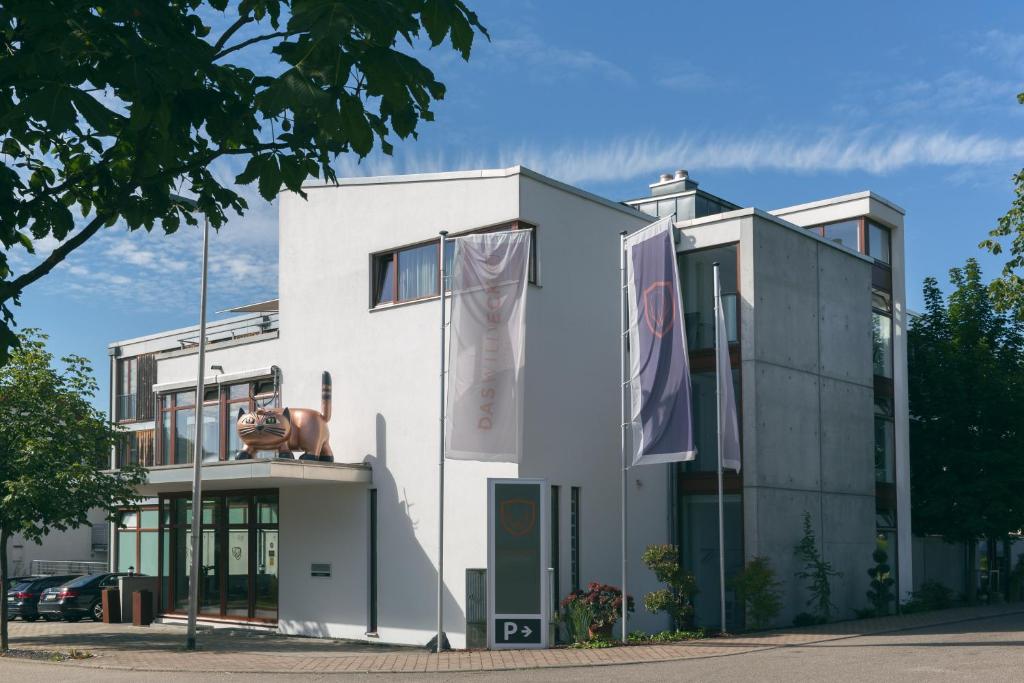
(807,407)
(936,560)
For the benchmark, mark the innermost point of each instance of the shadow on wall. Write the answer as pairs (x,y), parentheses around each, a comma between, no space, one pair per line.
(407,574)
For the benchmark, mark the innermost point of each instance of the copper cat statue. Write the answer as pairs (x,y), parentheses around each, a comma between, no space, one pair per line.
(284,430)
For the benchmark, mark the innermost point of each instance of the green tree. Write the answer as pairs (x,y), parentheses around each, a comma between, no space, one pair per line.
(760,592)
(677,599)
(817,572)
(54,448)
(108,108)
(966,394)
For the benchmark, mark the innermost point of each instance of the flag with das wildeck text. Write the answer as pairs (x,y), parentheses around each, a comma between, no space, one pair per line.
(728,422)
(484,415)
(659,368)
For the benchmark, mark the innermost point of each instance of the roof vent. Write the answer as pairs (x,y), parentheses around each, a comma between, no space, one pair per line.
(671,183)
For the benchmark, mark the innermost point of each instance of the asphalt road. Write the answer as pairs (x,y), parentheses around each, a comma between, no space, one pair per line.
(984,650)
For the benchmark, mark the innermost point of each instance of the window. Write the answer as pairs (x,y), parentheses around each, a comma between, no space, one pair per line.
(879,243)
(127,388)
(138,540)
(412,273)
(220,410)
(574,536)
(554,549)
(696,276)
(882,344)
(846,233)
(699,552)
(705,419)
(884,450)
(371,621)
(136,447)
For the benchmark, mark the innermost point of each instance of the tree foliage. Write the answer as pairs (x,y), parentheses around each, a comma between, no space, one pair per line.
(108,109)
(54,448)
(966,392)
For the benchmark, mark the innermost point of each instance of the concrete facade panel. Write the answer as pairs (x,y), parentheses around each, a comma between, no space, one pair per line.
(847,443)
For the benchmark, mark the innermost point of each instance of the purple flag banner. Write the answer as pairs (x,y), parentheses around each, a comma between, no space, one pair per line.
(728,421)
(659,376)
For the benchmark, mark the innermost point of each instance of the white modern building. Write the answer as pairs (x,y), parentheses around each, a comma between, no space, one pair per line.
(349,548)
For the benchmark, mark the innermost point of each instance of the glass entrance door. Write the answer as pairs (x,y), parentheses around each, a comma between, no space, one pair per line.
(238,555)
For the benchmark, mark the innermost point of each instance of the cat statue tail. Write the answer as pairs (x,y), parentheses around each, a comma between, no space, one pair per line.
(325,396)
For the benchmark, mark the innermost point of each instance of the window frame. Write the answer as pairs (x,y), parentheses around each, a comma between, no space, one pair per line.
(137,531)
(380,257)
(224,405)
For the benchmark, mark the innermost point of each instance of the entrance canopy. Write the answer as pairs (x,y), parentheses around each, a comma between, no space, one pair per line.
(254,474)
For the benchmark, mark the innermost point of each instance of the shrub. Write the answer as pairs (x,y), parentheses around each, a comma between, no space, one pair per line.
(639,637)
(677,599)
(603,606)
(807,619)
(760,592)
(816,571)
(880,594)
(930,596)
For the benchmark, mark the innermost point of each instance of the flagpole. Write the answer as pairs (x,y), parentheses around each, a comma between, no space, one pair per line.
(624,329)
(440,462)
(718,419)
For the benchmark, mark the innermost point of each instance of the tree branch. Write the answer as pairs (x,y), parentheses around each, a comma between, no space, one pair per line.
(9,290)
(257,39)
(242,21)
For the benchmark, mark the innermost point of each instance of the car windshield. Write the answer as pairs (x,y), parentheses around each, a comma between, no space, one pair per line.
(23,586)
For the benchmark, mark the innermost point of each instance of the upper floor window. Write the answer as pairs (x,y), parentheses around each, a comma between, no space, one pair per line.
(696,275)
(177,423)
(414,272)
(879,243)
(846,233)
(134,381)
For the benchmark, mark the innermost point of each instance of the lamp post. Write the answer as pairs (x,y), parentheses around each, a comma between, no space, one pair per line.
(197,456)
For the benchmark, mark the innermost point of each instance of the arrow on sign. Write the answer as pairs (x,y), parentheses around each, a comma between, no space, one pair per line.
(526,631)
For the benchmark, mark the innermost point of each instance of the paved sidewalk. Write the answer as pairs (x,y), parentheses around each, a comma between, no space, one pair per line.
(158,648)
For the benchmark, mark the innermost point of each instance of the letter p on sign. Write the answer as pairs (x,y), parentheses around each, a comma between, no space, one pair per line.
(510,629)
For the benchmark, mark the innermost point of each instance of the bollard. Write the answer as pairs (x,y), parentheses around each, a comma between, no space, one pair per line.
(111,602)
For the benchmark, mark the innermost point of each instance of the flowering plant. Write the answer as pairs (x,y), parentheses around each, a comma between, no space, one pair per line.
(605,603)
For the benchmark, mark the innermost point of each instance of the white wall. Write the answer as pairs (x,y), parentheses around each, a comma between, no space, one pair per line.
(73,545)
(385,366)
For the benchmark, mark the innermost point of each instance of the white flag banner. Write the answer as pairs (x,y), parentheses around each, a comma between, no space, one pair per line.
(484,412)
(729,437)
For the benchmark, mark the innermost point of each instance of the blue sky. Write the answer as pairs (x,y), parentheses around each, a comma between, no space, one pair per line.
(766,104)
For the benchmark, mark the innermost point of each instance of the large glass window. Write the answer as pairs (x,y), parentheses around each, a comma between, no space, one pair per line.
(846,233)
(696,275)
(705,420)
(239,560)
(137,541)
(220,411)
(879,243)
(699,549)
(882,344)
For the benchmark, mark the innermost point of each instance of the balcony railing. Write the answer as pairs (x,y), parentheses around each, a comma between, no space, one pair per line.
(234,329)
(127,407)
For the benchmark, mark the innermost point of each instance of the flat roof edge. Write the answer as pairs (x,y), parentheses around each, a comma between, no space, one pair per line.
(841,199)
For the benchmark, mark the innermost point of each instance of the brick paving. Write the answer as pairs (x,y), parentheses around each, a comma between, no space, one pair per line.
(159,647)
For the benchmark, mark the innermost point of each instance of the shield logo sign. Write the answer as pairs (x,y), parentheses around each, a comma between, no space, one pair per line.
(236,552)
(659,308)
(517,516)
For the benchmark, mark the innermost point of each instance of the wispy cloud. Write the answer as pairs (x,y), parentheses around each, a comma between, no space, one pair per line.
(686,77)
(626,158)
(1003,47)
(549,62)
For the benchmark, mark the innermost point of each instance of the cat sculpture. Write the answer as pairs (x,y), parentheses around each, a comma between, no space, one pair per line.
(285,430)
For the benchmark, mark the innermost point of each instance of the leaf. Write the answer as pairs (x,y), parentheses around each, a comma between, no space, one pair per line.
(270,178)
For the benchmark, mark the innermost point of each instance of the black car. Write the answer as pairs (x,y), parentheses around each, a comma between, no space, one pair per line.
(23,597)
(13,581)
(77,598)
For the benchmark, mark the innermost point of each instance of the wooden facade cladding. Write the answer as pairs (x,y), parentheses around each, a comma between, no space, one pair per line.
(147,378)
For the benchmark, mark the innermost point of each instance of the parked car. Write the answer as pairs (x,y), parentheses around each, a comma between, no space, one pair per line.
(23,598)
(81,597)
(15,580)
